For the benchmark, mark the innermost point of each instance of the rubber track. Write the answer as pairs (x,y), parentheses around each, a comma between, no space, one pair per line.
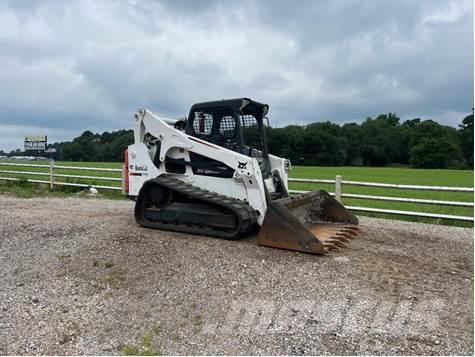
(245,215)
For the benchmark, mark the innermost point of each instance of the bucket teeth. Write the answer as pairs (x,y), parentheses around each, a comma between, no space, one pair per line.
(342,239)
(335,242)
(328,246)
(334,236)
(346,235)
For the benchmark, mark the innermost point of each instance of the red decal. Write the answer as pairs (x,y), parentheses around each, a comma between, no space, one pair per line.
(126,163)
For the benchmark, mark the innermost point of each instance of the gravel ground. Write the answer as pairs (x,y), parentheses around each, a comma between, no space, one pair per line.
(78,276)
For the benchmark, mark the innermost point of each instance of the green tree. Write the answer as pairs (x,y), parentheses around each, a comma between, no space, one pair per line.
(433,153)
(95,147)
(429,141)
(381,140)
(324,145)
(466,139)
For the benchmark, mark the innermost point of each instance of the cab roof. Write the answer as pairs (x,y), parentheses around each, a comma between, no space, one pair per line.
(239,105)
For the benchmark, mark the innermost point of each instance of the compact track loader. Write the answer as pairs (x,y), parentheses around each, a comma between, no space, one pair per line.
(211,174)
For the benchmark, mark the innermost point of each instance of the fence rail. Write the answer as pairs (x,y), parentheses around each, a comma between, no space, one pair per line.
(399,199)
(338,194)
(411,213)
(338,182)
(62,167)
(51,167)
(386,185)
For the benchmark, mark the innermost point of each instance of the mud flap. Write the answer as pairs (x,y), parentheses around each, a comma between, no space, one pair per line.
(312,222)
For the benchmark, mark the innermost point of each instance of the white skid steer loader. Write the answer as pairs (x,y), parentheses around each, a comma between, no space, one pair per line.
(211,174)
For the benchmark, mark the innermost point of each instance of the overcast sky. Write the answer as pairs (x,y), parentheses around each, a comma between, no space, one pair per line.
(68,66)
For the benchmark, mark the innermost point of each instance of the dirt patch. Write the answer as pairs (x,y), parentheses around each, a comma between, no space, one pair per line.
(78,276)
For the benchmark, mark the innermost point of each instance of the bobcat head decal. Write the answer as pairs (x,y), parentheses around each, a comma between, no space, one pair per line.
(242,165)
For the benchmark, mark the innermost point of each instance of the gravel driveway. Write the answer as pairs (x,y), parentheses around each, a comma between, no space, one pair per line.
(78,276)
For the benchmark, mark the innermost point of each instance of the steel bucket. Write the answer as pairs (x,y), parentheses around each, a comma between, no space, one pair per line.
(312,222)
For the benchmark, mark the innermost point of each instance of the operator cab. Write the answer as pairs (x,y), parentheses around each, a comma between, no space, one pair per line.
(236,124)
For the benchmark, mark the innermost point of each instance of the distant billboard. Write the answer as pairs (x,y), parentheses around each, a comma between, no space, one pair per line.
(35,142)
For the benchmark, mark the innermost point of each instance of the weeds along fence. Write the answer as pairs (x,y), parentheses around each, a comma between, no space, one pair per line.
(51,178)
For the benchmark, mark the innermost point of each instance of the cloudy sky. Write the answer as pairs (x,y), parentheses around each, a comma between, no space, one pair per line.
(71,65)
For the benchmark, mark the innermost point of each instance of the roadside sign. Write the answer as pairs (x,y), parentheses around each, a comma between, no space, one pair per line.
(36,142)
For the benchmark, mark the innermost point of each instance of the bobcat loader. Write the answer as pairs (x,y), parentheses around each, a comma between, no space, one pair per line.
(211,174)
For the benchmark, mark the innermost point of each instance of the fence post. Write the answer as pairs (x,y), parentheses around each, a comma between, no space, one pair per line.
(123,179)
(51,174)
(338,188)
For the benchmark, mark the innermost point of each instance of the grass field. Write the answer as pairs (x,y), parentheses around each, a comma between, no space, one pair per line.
(460,178)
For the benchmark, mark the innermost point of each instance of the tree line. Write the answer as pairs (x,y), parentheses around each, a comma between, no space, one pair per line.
(105,147)
(380,141)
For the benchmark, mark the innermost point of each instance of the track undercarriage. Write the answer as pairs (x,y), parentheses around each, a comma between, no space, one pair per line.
(311,223)
(171,204)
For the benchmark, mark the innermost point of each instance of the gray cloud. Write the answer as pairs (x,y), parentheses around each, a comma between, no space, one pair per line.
(76,65)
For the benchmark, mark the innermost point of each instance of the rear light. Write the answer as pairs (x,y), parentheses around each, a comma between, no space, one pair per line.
(126,173)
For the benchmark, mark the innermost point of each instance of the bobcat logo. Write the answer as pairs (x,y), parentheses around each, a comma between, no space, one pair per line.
(242,165)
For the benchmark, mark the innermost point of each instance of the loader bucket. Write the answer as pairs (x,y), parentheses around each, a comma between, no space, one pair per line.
(312,222)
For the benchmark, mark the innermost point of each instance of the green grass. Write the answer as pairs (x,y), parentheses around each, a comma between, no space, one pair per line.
(145,347)
(197,324)
(408,176)
(460,178)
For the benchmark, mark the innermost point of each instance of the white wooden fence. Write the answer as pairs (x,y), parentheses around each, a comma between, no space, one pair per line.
(338,182)
(51,173)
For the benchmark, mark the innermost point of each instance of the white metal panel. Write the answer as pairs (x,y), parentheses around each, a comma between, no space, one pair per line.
(141,167)
(229,187)
(282,166)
